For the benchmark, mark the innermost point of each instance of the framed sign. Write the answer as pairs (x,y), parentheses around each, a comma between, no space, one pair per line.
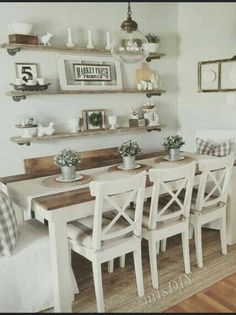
(26,71)
(94,119)
(217,75)
(89,72)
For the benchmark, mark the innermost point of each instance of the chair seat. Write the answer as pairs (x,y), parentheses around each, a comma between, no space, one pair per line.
(206,210)
(26,279)
(145,219)
(80,231)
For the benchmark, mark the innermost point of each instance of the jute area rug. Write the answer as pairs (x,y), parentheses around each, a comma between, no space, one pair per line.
(119,287)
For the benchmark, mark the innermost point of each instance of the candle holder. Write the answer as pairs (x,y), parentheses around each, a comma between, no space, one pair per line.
(90,41)
(108,39)
(69,43)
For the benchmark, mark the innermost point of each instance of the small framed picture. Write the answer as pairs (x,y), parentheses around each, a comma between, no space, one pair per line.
(26,72)
(94,119)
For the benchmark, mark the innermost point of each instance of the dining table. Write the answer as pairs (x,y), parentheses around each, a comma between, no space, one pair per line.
(57,205)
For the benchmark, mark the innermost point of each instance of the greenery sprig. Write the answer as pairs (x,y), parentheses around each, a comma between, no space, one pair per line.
(152,38)
(129,148)
(173,142)
(67,157)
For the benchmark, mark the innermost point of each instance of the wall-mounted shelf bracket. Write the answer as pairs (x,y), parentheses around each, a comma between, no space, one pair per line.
(150,94)
(150,58)
(24,143)
(18,98)
(13,51)
(153,128)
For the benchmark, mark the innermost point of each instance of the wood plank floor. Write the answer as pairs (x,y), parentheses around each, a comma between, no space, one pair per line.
(219,298)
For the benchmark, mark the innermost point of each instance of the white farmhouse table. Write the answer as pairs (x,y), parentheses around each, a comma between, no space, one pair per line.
(45,202)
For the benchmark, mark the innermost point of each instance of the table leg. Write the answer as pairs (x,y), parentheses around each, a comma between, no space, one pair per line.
(62,284)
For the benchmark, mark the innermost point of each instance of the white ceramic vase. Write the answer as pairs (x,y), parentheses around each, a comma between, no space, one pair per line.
(74,124)
(112,120)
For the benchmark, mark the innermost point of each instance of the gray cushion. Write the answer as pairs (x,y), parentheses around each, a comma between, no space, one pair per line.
(81,231)
(8,225)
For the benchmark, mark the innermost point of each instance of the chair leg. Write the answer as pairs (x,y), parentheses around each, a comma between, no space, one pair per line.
(69,254)
(139,270)
(198,244)
(110,266)
(122,261)
(153,262)
(185,245)
(97,278)
(190,231)
(158,247)
(223,236)
(163,245)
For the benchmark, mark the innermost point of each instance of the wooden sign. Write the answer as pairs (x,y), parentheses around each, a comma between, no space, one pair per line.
(90,72)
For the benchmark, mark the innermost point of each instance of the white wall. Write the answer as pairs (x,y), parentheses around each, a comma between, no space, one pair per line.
(100,17)
(207,31)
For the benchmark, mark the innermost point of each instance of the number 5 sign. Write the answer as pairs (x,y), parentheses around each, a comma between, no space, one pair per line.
(26,72)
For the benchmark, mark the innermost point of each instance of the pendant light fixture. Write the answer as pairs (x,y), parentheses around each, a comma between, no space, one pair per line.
(127,44)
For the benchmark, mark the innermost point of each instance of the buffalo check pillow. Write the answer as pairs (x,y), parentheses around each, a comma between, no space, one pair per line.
(8,225)
(222,149)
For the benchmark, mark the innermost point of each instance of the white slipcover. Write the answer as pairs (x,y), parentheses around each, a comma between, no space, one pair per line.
(25,276)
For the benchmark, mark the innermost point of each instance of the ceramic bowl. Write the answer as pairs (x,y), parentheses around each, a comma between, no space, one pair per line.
(21,28)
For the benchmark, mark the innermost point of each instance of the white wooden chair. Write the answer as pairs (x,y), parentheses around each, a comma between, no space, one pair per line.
(111,232)
(209,201)
(165,219)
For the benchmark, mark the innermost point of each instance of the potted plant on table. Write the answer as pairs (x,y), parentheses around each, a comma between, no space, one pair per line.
(172,144)
(67,159)
(128,151)
(153,42)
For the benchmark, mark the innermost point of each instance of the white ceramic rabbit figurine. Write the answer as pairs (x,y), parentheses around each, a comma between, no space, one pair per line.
(46,38)
(46,131)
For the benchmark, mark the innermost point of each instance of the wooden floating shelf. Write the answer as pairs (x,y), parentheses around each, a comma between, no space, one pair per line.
(14,48)
(67,135)
(18,95)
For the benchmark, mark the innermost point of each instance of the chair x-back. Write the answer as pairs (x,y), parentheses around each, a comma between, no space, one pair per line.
(168,215)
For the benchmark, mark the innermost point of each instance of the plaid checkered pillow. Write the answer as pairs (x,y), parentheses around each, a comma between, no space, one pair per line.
(8,225)
(222,149)
(204,147)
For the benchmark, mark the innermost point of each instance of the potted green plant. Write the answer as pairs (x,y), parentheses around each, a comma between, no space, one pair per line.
(67,159)
(172,144)
(128,151)
(153,42)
